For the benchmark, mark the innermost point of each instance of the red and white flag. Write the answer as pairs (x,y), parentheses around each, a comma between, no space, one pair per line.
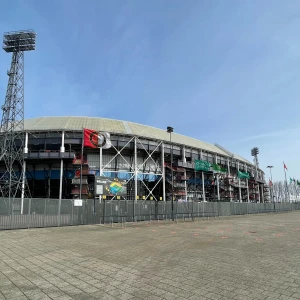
(284,167)
(96,139)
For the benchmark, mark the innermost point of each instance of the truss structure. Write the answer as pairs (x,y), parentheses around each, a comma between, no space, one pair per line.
(13,181)
(138,174)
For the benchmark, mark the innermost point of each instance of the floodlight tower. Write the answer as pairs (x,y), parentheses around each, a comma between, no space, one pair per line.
(254,153)
(13,181)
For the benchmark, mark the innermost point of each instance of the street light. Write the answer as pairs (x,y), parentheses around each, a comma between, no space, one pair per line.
(170,130)
(271,190)
(270,167)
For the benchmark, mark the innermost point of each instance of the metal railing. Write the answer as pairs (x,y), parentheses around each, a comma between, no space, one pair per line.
(49,154)
(53,212)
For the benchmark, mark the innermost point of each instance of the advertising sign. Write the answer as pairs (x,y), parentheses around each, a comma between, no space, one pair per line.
(110,186)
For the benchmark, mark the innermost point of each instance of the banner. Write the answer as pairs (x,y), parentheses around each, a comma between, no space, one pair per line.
(201,165)
(243,175)
(219,169)
(216,167)
(224,170)
(96,139)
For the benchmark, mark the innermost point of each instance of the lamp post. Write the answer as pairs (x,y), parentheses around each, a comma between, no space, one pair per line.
(170,130)
(271,189)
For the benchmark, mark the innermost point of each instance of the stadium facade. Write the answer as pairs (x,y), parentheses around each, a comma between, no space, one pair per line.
(139,157)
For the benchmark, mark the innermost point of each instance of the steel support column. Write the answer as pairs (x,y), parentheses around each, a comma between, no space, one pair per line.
(62,150)
(239,180)
(163,170)
(24,173)
(218,183)
(248,199)
(185,183)
(202,174)
(228,166)
(258,194)
(135,170)
(262,194)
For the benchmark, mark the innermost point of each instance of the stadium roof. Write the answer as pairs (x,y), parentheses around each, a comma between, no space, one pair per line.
(121,127)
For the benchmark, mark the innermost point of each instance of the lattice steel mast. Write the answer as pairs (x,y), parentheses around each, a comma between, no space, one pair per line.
(13,181)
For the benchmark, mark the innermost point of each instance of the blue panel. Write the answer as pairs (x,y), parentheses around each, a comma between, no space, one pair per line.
(194,181)
(41,174)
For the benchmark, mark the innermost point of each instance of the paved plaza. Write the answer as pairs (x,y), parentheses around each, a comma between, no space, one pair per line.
(242,257)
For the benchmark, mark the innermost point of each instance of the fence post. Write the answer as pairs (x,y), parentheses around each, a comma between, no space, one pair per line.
(29,211)
(58,213)
(104,208)
(44,213)
(133,211)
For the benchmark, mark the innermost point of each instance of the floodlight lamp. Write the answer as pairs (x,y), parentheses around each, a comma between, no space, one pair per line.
(254,151)
(18,41)
(170,129)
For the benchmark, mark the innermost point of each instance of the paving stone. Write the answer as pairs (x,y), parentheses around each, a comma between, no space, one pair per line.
(153,262)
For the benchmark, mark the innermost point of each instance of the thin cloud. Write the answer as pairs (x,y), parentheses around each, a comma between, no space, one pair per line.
(277,133)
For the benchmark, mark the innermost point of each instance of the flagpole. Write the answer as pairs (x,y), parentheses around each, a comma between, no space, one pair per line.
(100,161)
(81,162)
(295,190)
(286,187)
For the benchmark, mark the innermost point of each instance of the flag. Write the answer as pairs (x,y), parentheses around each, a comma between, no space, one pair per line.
(242,175)
(216,167)
(298,182)
(291,180)
(201,165)
(223,169)
(284,167)
(96,139)
(270,183)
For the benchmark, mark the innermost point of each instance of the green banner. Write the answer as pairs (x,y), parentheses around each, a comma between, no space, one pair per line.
(201,165)
(224,170)
(216,167)
(298,183)
(243,175)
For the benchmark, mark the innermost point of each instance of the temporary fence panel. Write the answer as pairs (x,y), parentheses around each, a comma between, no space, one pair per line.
(224,209)
(54,212)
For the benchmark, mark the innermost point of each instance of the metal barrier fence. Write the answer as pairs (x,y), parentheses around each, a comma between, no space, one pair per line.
(47,213)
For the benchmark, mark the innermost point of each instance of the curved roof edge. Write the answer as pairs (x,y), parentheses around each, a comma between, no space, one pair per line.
(126,128)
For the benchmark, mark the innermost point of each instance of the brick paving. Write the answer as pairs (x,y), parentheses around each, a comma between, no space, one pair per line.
(243,257)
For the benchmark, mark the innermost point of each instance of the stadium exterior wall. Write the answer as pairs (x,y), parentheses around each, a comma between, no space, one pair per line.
(141,158)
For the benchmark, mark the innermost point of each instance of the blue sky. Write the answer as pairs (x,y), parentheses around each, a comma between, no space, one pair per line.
(225,72)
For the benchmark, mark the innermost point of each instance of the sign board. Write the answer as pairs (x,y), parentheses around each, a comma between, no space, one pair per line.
(77,202)
(110,186)
(99,189)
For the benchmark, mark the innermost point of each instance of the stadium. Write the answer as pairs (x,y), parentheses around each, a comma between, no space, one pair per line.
(145,162)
